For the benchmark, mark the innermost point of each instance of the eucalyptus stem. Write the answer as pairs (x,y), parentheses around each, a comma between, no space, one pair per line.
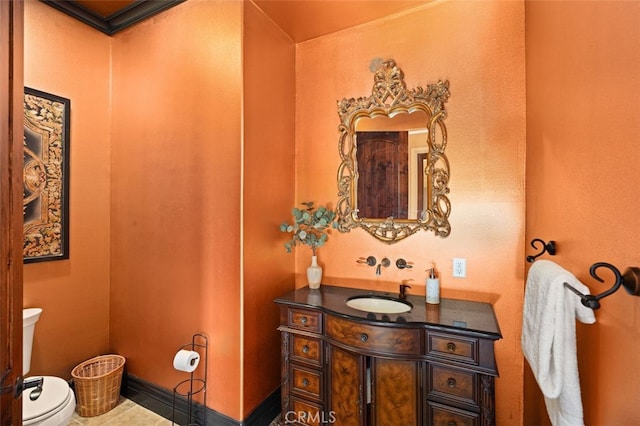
(310,226)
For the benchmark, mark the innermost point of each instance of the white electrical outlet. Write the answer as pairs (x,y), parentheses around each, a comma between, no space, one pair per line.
(459,267)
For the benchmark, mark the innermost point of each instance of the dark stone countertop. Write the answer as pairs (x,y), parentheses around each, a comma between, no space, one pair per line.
(450,315)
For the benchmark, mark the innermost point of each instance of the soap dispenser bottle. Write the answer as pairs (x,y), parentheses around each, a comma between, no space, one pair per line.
(433,286)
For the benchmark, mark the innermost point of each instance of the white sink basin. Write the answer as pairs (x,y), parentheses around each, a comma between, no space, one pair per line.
(379,305)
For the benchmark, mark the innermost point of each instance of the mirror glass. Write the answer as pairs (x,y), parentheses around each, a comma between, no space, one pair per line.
(391,158)
(393,179)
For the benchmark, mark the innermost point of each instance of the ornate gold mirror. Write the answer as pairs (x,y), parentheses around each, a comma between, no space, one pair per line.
(394,175)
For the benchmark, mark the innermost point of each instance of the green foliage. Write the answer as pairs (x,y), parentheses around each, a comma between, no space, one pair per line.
(310,226)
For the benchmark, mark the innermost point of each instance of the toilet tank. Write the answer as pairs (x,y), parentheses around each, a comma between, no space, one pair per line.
(29,318)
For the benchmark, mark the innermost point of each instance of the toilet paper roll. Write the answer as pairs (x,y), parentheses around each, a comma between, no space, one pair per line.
(186,360)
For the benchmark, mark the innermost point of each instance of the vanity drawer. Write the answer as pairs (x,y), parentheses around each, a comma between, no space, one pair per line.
(455,348)
(452,383)
(306,382)
(303,319)
(441,415)
(376,338)
(306,349)
(303,413)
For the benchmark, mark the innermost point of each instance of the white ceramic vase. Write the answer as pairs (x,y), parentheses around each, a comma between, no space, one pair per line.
(314,273)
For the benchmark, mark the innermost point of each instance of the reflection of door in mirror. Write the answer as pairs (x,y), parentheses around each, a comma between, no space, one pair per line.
(382,161)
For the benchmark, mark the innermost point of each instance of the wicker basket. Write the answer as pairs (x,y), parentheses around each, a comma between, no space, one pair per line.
(97,383)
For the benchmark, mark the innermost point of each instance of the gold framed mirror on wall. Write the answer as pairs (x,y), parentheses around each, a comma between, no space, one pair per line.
(393,178)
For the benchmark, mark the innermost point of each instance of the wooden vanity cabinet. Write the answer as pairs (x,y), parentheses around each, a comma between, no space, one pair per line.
(388,388)
(365,390)
(351,372)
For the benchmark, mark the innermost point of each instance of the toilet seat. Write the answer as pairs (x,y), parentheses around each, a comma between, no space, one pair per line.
(54,407)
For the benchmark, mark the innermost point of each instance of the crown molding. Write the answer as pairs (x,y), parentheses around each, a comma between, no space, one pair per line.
(124,18)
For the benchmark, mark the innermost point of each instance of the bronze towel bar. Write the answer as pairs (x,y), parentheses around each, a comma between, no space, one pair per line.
(630,280)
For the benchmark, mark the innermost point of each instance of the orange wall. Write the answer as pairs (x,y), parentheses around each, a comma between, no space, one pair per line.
(479,48)
(74,294)
(175,186)
(268,191)
(174,150)
(583,104)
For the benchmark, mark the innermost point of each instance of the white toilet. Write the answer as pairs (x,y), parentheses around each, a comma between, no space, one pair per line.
(56,403)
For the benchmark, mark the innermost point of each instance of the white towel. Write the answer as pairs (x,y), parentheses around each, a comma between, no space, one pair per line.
(549,338)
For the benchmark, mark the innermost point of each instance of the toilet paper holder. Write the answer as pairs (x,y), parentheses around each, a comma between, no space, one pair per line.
(193,385)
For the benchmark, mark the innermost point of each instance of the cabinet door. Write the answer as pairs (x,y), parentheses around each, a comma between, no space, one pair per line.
(346,385)
(396,392)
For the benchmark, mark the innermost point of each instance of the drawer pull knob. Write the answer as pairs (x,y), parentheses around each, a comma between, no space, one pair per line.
(303,320)
(305,382)
(451,382)
(451,423)
(364,337)
(305,349)
(451,347)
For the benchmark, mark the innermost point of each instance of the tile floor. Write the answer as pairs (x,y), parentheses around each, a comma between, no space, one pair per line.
(126,413)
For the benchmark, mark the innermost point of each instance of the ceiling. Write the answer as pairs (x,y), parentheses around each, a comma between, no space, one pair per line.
(306,19)
(300,19)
